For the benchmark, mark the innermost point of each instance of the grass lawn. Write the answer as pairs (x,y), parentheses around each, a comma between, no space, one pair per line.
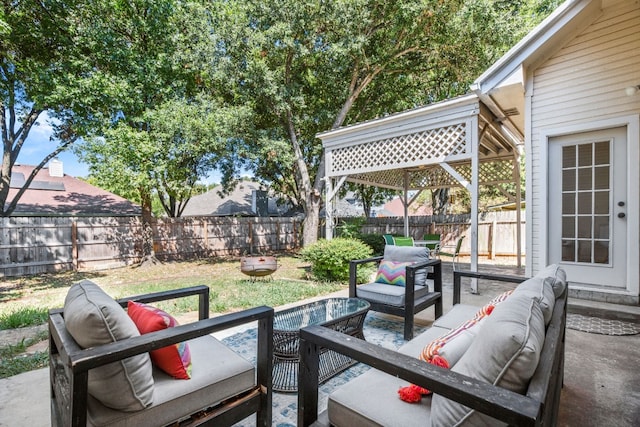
(230,289)
(24,301)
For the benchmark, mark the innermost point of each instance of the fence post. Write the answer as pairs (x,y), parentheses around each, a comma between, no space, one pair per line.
(492,240)
(205,234)
(250,237)
(278,235)
(74,244)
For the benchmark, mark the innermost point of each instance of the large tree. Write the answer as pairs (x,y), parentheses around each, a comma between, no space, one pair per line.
(314,66)
(39,65)
(168,126)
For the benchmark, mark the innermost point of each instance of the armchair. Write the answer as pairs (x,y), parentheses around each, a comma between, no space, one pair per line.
(454,253)
(402,284)
(223,388)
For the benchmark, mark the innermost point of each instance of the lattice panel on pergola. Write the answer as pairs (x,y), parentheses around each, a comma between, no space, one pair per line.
(496,171)
(400,151)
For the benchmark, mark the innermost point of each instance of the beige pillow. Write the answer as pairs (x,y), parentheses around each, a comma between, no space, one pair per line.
(505,353)
(541,289)
(93,318)
(558,278)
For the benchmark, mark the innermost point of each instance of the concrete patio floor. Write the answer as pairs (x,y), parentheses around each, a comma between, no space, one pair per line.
(601,379)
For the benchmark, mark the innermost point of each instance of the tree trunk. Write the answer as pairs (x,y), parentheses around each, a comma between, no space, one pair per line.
(148,253)
(311,221)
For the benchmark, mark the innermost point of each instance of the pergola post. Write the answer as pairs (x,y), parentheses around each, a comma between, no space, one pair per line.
(516,179)
(405,202)
(328,207)
(474,189)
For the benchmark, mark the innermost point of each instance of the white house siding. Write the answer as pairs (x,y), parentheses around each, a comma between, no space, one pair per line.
(584,81)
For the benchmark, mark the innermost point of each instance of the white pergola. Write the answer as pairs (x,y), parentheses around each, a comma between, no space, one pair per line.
(454,143)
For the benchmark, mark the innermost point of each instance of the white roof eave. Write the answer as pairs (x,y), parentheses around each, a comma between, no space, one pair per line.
(539,43)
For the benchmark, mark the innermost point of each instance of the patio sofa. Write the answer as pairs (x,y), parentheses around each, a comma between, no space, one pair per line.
(101,370)
(508,371)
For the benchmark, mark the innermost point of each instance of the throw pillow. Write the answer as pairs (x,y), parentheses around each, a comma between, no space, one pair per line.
(392,273)
(93,318)
(445,351)
(174,359)
(410,254)
(505,353)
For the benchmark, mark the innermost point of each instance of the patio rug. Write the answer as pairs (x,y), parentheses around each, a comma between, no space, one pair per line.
(378,329)
(596,325)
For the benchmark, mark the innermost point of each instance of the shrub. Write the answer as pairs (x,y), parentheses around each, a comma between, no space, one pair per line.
(375,241)
(330,258)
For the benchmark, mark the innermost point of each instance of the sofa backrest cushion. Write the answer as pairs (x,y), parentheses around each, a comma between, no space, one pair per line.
(505,353)
(558,278)
(541,289)
(410,254)
(93,318)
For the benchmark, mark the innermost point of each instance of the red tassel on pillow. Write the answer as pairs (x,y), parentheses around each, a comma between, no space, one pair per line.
(439,361)
(412,393)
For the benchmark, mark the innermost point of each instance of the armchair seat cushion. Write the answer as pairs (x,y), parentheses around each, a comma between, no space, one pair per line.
(388,294)
(218,373)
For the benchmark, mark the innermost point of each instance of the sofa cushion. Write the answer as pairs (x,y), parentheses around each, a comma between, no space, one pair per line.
(93,318)
(218,373)
(541,289)
(558,278)
(388,294)
(392,272)
(372,400)
(174,359)
(412,254)
(505,353)
(454,317)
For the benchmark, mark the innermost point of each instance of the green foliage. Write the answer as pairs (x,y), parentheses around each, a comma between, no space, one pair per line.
(374,241)
(22,317)
(349,228)
(330,258)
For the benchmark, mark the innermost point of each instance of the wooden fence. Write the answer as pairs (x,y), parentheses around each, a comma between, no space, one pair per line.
(496,230)
(34,245)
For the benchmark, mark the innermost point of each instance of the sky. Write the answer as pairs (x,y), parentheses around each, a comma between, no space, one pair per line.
(38,146)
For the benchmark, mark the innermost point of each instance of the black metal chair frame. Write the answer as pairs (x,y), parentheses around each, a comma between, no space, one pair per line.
(412,305)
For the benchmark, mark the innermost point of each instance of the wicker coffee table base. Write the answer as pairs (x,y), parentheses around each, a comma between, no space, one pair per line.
(286,343)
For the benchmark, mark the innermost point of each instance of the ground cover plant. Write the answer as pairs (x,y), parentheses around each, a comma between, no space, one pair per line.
(24,301)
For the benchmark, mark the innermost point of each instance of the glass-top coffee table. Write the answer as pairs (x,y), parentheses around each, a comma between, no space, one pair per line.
(345,315)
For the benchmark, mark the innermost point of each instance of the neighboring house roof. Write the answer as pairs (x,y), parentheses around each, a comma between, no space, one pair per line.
(394,207)
(64,195)
(244,200)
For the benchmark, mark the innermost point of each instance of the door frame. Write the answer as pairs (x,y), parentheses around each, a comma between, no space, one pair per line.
(632,124)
